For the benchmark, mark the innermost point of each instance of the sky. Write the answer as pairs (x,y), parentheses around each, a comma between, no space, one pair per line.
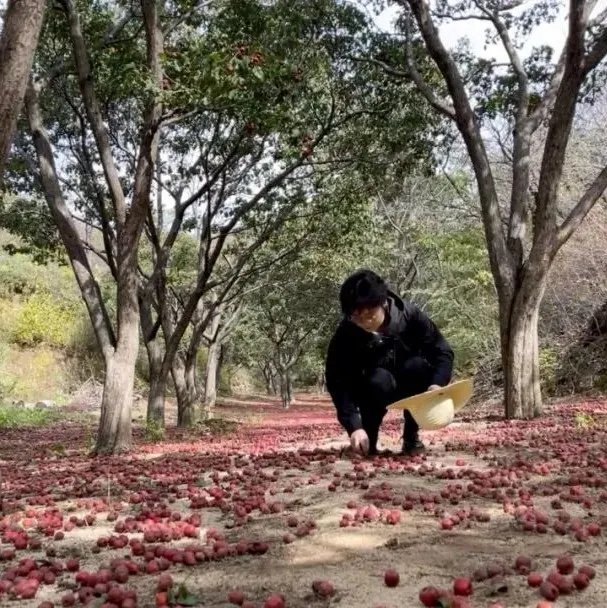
(551,34)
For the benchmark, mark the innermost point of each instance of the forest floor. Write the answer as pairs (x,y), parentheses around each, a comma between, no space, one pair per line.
(267,501)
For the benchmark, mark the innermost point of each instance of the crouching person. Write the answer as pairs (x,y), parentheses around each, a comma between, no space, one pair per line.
(383,350)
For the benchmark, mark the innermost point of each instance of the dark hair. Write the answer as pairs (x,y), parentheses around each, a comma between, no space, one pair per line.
(363,289)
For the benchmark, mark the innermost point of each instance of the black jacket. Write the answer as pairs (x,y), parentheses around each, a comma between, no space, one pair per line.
(352,351)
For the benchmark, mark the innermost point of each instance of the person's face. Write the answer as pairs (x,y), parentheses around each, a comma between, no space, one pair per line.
(370,318)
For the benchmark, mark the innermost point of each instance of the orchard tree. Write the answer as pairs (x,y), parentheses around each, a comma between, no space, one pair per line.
(22,23)
(535,96)
(119,344)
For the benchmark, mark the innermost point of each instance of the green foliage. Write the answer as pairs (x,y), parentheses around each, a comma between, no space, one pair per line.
(45,320)
(14,417)
(154,431)
(457,289)
(549,359)
(21,277)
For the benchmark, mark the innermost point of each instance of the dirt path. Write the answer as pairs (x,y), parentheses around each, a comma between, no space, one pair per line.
(242,492)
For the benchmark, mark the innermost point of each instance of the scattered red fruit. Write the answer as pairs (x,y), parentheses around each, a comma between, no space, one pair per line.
(535,579)
(274,601)
(391,578)
(323,588)
(462,586)
(581,580)
(522,564)
(429,596)
(564,564)
(236,597)
(165,582)
(549,591)
(587,570)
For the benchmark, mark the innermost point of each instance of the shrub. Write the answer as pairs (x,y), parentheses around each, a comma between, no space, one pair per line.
(45,320)
(13,417)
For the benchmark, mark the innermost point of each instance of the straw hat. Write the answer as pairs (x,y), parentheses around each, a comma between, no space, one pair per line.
(435,409)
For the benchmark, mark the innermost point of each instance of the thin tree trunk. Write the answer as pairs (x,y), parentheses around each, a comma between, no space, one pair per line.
(157,384)
(187,414)
(157,389)
(211,374)
(289,380)
(184,379)
(22,23)
(285,388)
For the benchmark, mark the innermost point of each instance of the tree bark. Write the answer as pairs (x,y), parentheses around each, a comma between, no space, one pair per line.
(286,388)
(211,374)
(184,379)
(22,24)
(520,346)
(157,383)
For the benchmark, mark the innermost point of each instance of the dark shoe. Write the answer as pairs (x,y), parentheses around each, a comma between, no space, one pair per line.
(411,447)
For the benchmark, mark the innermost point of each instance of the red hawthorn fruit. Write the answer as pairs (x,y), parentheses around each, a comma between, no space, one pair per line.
(236,597)
(391,578)
(549,591)
(587,570)
(429,596)
(581,580)
(535,579)
(323,588)
(462,586)
(274,601)
(564,564)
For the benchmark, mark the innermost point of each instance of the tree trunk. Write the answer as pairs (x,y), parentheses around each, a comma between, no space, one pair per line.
(184,379)
(286,388)
(157,390)
(22,23)
(520,348)
(115,424)
(157,385)
(186,416)
(211,373)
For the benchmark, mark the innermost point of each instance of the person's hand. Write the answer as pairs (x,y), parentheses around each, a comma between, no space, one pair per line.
(433,387)
(359,441)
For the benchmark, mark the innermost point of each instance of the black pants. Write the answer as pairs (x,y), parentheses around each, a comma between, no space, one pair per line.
(382,387)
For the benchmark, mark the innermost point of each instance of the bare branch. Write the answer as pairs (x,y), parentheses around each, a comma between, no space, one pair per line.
(581,209)
(597,53)
(539,114)
(388,69)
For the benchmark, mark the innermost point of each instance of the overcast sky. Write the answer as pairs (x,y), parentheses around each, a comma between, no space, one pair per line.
(552,34)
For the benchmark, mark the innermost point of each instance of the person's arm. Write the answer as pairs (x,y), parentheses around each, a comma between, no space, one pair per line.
(433,345)
(338,382)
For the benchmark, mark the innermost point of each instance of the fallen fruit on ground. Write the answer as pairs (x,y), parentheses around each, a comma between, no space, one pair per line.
(391,578)
(323,588)
(462,586)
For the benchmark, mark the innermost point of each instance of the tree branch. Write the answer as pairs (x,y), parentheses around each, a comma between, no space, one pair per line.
(93,110)
(83,272)
(597,53)
(581,209)
(499,256)
(559,130)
